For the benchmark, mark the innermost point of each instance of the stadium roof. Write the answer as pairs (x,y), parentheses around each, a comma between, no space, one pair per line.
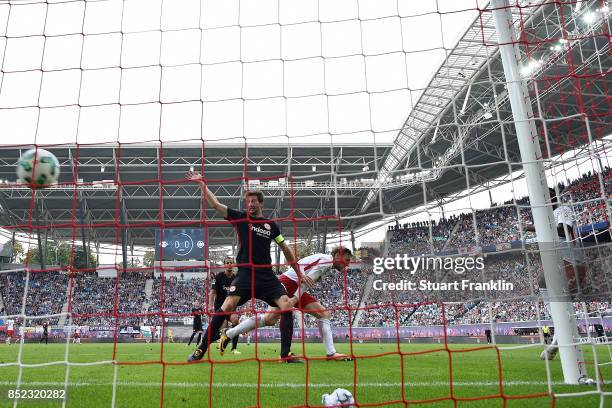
(457,111)
(306,197)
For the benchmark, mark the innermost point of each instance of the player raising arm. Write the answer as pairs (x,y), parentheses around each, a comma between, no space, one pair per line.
(255,235)
(315,266)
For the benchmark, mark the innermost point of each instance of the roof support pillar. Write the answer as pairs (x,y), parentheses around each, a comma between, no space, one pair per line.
(41,248)
(123,221)
(83,235)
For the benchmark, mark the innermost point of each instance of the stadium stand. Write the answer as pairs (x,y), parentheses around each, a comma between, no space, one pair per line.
(92,295)
(45,296)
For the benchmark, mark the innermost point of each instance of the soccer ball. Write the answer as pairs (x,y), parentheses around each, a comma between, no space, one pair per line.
(46,169)
(339,398)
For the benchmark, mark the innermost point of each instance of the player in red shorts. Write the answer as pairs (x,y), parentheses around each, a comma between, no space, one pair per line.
(10,330)
(76,339)
(314,266)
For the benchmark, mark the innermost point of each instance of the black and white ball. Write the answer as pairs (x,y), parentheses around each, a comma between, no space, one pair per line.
(38,167)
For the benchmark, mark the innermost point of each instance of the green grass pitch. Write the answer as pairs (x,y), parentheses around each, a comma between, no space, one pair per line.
(426,376)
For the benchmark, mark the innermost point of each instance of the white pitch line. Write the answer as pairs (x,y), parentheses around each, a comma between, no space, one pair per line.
(286,385)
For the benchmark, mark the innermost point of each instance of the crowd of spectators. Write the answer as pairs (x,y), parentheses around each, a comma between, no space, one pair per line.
(180,296)
(46,294)
(381,314)
(418,308)
(94,299)
(424,237)
(503,223)
(585,194)
(499,224)
(337,294)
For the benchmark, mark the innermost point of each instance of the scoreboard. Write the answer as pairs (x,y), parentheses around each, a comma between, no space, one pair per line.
(179,244)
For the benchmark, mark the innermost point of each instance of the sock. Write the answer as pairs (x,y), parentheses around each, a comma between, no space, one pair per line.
(191,338)
(212,331)
(286,329)
(546,301)
(246,326)
(199,338)
(235,342)
(327,336)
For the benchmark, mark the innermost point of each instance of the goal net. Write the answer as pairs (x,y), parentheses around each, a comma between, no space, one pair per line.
(459,148)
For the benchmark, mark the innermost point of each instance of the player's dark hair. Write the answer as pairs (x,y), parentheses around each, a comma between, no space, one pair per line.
(341,250)
(256,193)
(553,197)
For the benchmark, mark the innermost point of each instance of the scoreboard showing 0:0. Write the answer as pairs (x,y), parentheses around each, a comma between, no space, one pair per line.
(182,243)
(179,244)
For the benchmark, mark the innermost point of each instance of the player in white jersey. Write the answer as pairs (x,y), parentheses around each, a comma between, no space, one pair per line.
(76,338)
(10,330)
(314,266)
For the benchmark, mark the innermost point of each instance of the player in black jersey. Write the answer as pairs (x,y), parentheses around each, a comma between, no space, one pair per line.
(197,325)
(255,277)
(45,334)
(218,293)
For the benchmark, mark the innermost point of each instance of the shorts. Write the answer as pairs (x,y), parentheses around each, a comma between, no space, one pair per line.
(576,274)
(267,286)
(218,303)
(9,333)
(292,287)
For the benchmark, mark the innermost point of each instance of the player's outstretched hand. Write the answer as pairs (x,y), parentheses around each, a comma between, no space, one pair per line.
(193,175)
(307,280)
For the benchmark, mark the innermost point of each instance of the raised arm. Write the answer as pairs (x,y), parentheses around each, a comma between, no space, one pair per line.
(290,258)
(211,199)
